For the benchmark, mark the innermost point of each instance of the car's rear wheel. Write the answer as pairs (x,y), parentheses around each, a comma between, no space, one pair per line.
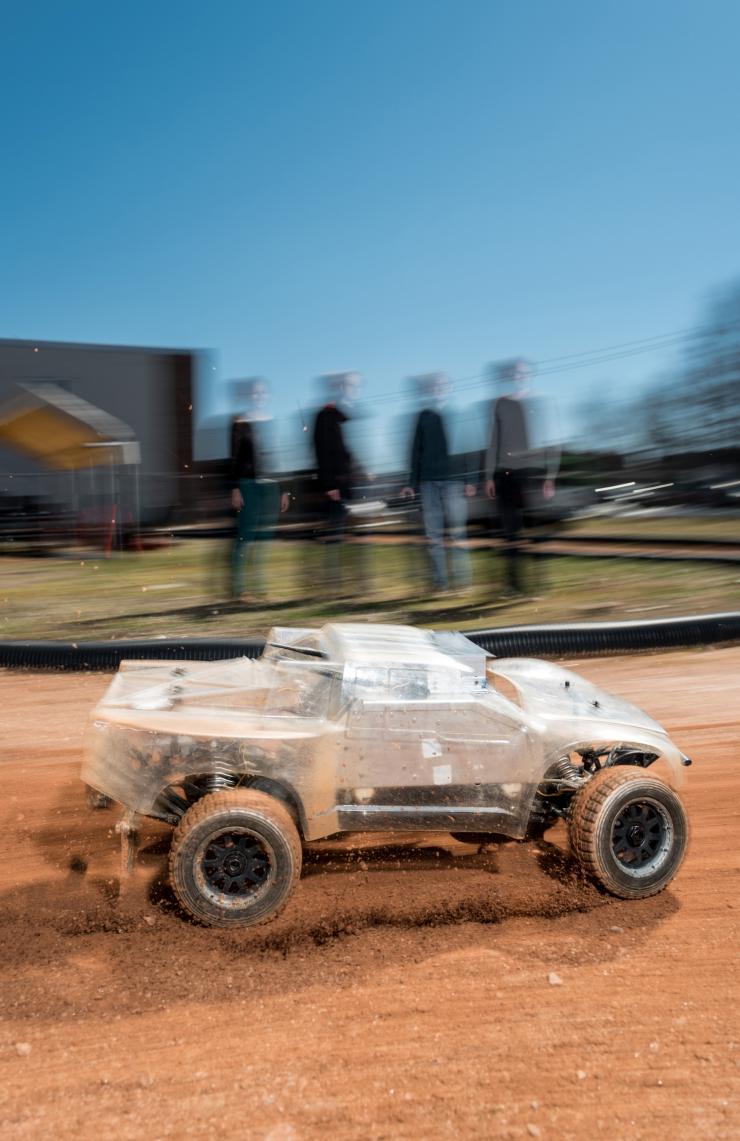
(235,858)
(629,832)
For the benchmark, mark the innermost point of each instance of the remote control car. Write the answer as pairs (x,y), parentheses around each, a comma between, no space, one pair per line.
(360,728)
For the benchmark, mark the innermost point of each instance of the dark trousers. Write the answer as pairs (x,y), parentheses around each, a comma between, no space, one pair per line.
(510,499)
(344,563)
(332,533)
(255,526)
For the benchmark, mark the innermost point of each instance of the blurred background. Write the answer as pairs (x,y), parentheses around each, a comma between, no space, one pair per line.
(412,313)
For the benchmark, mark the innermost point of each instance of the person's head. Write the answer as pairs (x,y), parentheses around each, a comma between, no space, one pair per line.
(258,394)
(251,394)
(433,387)
(512,375)
(342,387)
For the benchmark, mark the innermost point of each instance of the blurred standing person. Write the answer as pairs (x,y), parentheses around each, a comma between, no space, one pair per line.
(255,493)
(520,454)
(335,467)
(442,481)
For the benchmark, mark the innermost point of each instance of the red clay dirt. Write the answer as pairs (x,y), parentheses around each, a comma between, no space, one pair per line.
(410,990)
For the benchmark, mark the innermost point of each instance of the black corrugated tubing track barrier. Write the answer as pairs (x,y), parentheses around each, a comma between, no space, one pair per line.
(609,637)
(507,641)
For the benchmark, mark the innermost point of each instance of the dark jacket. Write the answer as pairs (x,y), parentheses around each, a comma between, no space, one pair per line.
(522,437)
(334,461)
(253,450)
(430,457)
(245,459)
(509,447)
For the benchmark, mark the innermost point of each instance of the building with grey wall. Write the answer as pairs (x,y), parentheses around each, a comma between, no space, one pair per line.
(152,390)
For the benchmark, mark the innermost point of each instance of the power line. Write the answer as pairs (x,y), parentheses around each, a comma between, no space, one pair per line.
(687,332)
(581,359)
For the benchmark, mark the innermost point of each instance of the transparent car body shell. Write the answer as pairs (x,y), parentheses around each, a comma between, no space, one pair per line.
(359,728)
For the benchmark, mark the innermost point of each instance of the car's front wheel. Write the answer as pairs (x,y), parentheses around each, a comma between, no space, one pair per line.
(628,831)
(235,858)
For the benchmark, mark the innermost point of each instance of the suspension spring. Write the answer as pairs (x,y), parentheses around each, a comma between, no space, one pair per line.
(564,769)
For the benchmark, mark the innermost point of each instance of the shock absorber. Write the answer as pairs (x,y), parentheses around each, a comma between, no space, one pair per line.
(217,782)
(564,770)
(554,794)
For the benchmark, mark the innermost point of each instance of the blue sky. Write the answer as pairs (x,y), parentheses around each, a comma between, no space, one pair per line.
(393,187)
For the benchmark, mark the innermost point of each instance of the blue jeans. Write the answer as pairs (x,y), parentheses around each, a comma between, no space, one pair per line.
(445,499)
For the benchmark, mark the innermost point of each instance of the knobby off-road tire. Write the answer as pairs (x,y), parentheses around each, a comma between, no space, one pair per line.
(235,858)
(628,831)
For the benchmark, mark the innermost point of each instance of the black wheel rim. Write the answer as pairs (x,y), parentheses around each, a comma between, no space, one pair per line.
(235,865)
(641,836)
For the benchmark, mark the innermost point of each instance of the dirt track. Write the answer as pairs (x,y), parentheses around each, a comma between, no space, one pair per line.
(404,992)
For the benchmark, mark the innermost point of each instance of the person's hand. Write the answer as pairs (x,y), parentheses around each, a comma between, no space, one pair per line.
(335,495)
(407,493)
(284,501)
(548,488)
(470,490)
(237,499)
(490,489)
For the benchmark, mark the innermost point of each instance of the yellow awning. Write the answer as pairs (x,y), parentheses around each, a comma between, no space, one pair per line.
(64,432)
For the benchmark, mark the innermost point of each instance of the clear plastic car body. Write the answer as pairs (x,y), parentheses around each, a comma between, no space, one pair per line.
(360,727)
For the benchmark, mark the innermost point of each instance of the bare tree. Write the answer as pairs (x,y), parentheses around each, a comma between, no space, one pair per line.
(694,409)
